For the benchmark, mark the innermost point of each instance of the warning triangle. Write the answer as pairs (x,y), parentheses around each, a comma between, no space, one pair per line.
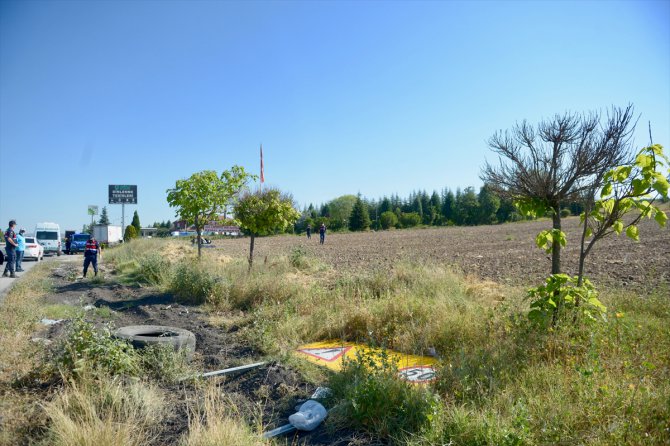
(326,354)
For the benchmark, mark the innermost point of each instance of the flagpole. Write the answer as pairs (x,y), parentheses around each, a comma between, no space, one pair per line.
(262,176)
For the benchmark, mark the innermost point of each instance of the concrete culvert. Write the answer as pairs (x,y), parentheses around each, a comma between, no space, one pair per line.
(141,336)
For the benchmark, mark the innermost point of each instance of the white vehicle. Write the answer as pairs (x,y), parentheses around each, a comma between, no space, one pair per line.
(48,235)
(110,235)
(33,250)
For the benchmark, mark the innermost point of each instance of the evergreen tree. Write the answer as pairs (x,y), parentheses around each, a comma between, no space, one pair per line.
(360,217)
(448,205)
(136,223)
(385,206)
(104,218)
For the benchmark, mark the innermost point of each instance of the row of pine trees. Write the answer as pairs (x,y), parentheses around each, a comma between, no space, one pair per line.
(462,208)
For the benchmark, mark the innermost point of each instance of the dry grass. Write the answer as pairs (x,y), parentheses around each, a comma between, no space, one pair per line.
(104,412)
(217,423)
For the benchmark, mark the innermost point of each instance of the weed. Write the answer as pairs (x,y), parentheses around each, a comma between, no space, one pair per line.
(163,363)
(375,399)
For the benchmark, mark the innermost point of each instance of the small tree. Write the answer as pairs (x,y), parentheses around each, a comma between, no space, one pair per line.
(359,220)
(263,212)
(388,220)
(104,218)
(205,195)
(562,158)
(136,223)
(130,233)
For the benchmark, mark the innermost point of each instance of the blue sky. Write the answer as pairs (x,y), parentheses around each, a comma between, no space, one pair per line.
(346,97)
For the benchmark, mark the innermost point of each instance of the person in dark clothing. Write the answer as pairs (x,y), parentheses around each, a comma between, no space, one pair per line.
(322,233)
(91,255)
(10,250)
(68,244)
(309,231)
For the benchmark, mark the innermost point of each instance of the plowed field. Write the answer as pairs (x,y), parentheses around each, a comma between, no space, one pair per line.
(504,253)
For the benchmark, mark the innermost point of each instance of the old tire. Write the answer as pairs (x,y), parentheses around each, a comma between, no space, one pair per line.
(141,336)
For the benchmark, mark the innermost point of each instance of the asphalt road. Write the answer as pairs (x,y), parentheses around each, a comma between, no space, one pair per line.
(6,283)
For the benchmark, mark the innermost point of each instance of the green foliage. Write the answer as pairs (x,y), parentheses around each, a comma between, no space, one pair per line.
(87,348)
(136,223)
(388,220)
(194,284)
(545,239)
(130,233)
(565,212)
(263,212)
(204,195)
(339,210)
(561,296)
(162,363)
(410,219)
(631,188)
(360,218)
(104,217)
(372,397)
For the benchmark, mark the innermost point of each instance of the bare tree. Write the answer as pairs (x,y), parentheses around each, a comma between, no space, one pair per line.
(561,159)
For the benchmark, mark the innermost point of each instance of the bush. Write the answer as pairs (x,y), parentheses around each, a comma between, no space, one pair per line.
(194,283)
(375,399)
(388,220)
(565,212)
(87,348)
(153,270)
(409,220)
(130,233)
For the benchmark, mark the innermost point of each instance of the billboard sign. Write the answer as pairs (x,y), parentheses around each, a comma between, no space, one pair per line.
(92,209)
(122,194)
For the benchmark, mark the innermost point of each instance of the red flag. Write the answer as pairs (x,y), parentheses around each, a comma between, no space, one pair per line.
(262,176)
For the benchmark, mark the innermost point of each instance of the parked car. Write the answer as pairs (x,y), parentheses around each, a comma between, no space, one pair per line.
(33,250)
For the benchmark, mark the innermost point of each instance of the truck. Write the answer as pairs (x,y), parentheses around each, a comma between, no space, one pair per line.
(78,242)
(47,234)
(108,235)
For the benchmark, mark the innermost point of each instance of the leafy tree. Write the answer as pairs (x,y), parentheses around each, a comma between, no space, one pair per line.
(104,218)
(262,212)
(360,218)
(388,220)
(205,195)
(136,223)
(541,167)
(130,233)
(467,207)
(410,219)
(627,189)
(340,210)
(489,203)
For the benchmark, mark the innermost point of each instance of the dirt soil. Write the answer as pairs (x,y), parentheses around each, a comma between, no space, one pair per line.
(503,253)
(271,392)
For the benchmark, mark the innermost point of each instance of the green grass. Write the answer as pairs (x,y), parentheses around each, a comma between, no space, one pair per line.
(501,380)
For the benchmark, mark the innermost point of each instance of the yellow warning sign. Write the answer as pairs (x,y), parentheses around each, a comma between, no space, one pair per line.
(332,354)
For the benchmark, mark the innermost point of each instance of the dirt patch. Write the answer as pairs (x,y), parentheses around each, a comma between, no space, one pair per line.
(502,253)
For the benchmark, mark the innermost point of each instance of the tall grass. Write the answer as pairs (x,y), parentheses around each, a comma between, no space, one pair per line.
(104,412)
(215,422)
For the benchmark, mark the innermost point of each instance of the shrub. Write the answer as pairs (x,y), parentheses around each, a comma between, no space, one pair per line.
(409,220)
(130,233)
(565,212)
(153,269)
(196,284)
(373,398)
(388,220)
(84,347)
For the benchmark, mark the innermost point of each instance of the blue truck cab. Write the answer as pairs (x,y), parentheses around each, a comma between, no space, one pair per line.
(78,242)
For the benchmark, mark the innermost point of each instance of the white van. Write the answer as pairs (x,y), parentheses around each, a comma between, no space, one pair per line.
(48,235)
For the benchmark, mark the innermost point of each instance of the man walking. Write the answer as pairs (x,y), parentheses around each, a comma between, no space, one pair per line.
(10,249)
(309,231)
(20,250)
(91,255)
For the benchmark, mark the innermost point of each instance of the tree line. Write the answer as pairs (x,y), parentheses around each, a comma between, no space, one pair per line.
(465,207)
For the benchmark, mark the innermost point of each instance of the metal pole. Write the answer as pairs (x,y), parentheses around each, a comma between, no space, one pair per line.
(123,218)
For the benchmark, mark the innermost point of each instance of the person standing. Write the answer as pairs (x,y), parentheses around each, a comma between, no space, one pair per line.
(322,233)
(91,255)
(10,250)
(309,232)
(68,244)
(20,250)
